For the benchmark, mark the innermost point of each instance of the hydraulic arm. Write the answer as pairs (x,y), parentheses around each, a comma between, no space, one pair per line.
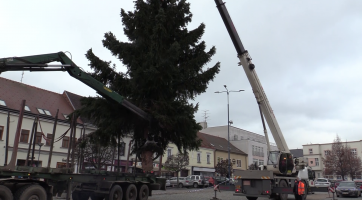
(40,63)
(249,68)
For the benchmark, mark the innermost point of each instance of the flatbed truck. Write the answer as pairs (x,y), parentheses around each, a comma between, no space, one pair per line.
(42,183)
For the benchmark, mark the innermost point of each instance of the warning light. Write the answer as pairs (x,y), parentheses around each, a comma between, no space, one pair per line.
(28,174)
(237,190)
(70,178)
(104,178)
(151,172)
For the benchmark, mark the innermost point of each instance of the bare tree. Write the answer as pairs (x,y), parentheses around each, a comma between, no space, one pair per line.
(222,168)
(176,163)
(96,153)
(353,162)
(335,161)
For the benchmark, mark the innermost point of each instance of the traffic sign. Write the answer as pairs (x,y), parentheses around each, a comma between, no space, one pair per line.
(331,189)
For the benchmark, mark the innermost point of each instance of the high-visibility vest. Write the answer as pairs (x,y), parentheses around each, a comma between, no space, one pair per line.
(300,188)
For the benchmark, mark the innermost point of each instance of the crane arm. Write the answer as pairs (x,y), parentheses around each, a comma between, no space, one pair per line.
(249,68)
(40,63)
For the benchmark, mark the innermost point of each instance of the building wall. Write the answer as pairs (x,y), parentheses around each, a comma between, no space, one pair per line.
(233,156)
(193,158)
(243,140)
(315,152)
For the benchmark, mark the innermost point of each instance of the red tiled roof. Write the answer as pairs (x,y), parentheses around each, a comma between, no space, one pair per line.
(217,143)
(13,93)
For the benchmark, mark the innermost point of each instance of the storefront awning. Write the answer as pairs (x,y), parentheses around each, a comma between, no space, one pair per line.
(203,169)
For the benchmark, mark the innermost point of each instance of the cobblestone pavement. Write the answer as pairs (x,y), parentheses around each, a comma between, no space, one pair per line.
(208,194)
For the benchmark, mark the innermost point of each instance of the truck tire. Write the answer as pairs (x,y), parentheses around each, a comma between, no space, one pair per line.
(251,198)
(283,183)
(131,192)
(143,192)
(116,193)
(77,195)
(5,193)
(31,192)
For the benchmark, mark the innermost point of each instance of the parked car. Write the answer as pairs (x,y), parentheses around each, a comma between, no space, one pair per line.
(348,188)
(358,183)
(211,180)
(181,181)
(196,181)
(168,184)
(322,182)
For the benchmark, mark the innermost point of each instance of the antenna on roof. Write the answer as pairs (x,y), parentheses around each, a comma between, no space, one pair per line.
(22,75)
(205,115)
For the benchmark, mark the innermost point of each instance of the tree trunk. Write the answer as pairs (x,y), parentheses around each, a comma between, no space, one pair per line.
(146,156)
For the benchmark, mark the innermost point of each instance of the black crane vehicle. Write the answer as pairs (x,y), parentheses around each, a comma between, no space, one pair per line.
(42,183)
(276,178)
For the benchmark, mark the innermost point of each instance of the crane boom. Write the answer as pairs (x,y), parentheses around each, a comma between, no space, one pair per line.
(39,63)
(249,68)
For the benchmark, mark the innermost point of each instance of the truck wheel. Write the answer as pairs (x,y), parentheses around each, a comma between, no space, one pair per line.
(283,183)
(251,198)
(143,192)
(131,192)
(116,193)
(96,197)
(5,193)
(31,192)
(195,185)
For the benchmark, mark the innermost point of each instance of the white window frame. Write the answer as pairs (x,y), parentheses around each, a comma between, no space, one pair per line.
(327,152)
(354,151)
(238,163)
(26,108)
(2,103)
(169,152)
(316,161)
(310,151)
(198,157)
(208,158)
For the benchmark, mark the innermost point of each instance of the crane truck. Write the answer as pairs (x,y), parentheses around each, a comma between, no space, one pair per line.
(93,183)
(275,179)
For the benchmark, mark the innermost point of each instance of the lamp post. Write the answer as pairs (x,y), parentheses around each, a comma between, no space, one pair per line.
(229,122)
(40,145)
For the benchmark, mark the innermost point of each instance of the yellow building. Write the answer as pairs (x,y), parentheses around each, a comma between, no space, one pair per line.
(220,146)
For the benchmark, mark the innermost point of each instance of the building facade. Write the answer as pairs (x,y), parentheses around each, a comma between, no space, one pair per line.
(254,145)
(313,154)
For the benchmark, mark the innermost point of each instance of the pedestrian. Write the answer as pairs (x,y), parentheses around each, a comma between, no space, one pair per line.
(298,189)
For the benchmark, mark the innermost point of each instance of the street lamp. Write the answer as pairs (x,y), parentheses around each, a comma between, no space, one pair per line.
(229,122)
(40,145)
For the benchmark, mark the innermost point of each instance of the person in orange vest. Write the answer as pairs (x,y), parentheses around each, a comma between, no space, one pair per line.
(298,189)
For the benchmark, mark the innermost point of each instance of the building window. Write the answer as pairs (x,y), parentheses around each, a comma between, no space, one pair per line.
(198,157)
(208,158)
(49,139)
(316,162)
(169,152)
(238,163)
(311,162)
(1,132)
(65,142)
(27,108)
(318,175)
(339,177)
(354,151)
(261,162)
(2,103)
(262,152)
(310,151)
(122,148)
(44,111)
(221,159)
(38,138)
(327,152)
(255,161)
(218,160)
(66,116)
(235,137)
(24,137)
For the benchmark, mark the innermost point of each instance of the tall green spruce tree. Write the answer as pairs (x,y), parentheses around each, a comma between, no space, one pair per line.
(165,68)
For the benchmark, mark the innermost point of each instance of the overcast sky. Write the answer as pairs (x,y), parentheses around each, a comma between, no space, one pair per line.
(308,56)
